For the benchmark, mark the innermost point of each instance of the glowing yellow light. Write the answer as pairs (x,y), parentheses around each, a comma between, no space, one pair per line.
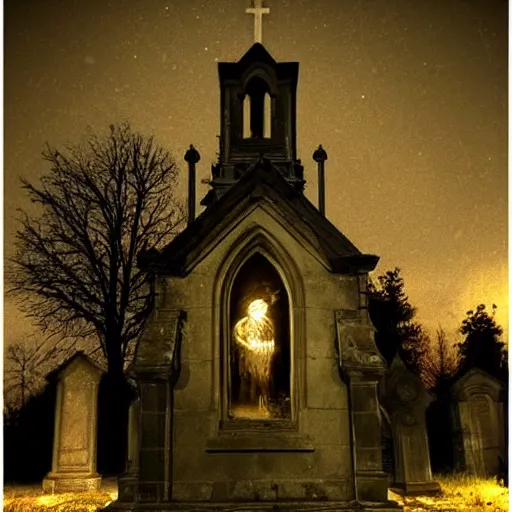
(48,500)
(255,333)
(257,309)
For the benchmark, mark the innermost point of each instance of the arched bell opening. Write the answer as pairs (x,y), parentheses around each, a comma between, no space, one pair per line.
(259,345)
(257,110)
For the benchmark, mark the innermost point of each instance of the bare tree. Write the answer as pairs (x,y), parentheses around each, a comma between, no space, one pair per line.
(26,365)
(103,201)
(440,362)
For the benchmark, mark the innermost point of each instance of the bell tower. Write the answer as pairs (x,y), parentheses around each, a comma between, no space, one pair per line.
(258,116)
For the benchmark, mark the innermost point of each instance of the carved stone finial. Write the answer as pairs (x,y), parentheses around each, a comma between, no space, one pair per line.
(192,156)
(320,155)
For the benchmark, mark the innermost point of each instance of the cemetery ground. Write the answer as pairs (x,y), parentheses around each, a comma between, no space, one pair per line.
(458,492)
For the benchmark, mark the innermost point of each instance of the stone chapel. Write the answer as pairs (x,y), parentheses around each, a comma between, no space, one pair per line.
(257,371)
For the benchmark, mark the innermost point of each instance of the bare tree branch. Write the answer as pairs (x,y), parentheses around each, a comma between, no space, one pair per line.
(103,202)
(440,362)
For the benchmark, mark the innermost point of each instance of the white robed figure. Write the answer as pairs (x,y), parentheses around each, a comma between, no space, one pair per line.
(254,334)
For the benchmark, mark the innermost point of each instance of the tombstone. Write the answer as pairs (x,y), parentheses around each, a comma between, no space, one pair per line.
(74,445)
(479,422)
(257,369)
(405,400)
(388,446)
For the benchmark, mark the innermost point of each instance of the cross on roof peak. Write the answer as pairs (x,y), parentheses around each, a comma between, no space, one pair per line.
(258,11)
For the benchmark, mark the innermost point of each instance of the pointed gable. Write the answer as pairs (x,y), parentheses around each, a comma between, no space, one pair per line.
(257,55)
(263,184)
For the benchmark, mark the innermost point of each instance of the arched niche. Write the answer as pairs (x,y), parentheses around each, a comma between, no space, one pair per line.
(259,377)
(256,252)
(257,109)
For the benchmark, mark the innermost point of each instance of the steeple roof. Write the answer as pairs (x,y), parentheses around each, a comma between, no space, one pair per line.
(257,54)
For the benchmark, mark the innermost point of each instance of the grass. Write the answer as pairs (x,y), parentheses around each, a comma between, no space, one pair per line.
(30,498)
(459,493)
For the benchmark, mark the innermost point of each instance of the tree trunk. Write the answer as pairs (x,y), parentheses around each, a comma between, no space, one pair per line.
(114,400)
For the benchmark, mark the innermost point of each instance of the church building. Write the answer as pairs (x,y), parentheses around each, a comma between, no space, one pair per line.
(257,371)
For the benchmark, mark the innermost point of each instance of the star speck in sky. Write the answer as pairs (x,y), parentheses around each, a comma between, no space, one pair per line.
(408,98)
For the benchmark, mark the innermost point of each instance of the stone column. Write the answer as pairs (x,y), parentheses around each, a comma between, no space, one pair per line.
(155,368)
(128,483)
(363,367)
(192,156)
(320,156)
(371,483)
(155,455)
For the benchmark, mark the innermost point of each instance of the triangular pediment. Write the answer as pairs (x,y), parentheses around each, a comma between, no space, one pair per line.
(263,186)
(256,53)
(78,360)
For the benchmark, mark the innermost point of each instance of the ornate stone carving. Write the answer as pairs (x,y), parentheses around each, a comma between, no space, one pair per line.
(160,341)
(406,392)
(355,340)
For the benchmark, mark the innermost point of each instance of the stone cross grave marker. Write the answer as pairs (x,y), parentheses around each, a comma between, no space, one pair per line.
(405,400)
(74,443)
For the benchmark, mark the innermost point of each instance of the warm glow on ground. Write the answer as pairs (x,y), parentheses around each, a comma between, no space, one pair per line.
(30,499)
(459,493)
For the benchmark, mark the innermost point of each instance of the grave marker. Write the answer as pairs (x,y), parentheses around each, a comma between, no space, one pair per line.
(74,445)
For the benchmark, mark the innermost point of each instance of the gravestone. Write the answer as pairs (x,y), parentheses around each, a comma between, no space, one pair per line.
(479,422)
(74,445)
(405,400)
(388,446)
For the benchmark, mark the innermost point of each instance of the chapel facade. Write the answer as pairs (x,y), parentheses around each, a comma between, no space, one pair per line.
(257,371)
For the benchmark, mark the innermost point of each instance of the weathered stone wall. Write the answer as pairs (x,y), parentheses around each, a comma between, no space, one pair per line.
(323,421)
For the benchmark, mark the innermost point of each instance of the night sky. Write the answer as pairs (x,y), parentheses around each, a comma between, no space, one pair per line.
(409,98)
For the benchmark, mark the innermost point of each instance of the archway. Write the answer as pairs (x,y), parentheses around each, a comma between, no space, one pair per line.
(257,110)
(259,343)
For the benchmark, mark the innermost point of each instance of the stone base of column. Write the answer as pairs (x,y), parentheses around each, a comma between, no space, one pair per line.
(415,488)
(272,506)
(55,483)
(128,488)
(371,486)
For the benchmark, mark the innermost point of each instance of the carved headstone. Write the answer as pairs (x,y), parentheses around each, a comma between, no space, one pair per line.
(405,400)
(478,415)
(74,445)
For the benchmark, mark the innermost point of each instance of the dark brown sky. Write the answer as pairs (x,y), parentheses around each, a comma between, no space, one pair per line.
(408,97)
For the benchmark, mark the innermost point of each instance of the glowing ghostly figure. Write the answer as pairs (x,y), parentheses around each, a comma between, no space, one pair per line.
(254,333)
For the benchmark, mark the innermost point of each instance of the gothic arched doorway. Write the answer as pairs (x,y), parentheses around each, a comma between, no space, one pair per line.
(259,344)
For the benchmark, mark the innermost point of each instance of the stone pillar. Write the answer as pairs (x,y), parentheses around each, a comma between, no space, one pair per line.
(192,157)
(128,483)
(155,455)
(320,156)
(371,483)
(155,367)
(363,367)
(406,401)
(75,435)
